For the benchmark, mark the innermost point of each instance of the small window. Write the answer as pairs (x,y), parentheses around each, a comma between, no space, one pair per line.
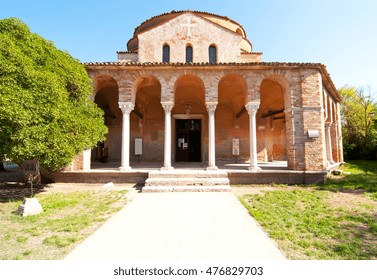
(189,54)
(212,54)
(166,53)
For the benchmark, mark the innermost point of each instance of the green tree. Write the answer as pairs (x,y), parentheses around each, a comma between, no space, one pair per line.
(359,130)
(45,109)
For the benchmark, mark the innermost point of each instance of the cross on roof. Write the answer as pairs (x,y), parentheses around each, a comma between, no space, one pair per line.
(189,25)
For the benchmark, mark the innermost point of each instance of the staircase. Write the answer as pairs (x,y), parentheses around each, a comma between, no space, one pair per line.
(187,181)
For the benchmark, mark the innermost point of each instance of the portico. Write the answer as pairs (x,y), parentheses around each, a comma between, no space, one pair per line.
(188,103)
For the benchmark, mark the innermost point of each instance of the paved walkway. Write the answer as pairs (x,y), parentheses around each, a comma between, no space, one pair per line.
(179,226)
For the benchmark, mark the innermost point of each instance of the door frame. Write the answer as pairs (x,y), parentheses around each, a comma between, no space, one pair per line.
(174,132)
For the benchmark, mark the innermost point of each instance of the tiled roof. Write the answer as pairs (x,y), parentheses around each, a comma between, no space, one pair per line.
(244,52)
(278,64)
(133,51)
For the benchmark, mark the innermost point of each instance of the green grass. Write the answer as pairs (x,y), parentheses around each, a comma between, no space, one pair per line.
(335,221)
(363,176)
(67,219)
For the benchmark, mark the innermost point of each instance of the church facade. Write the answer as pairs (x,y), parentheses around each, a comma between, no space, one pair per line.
(190,88)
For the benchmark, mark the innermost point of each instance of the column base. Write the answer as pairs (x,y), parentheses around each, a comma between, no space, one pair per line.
(166,168)
(125,168)
(212,168)
(254,168)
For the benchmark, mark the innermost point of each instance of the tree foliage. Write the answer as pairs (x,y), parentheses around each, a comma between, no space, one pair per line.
(359,112)
(45,110)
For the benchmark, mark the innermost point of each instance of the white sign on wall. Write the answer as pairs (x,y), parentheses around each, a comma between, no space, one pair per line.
(138,146)
(236,146)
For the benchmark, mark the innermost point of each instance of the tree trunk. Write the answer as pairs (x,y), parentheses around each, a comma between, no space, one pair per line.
(2,168)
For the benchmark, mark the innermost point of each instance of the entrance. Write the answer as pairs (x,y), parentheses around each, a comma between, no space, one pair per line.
(188,140)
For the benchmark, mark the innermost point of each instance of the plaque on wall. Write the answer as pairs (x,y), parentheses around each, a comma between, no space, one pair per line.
(236,146)
(138,146)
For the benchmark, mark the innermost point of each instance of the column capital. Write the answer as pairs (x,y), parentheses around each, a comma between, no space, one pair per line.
(252,106)
(211,107)
(167,105)
(126,107)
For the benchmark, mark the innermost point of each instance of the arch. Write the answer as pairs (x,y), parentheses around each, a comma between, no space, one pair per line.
(189,54)
(190,123)
(272,134)
(147,118)
(166,53)
(103,81)
(231,118)
(285,86)
(189,88)
(106,96)
(212,54)
(232,88)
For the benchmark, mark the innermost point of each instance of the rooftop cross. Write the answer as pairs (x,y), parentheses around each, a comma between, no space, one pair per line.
(189,25)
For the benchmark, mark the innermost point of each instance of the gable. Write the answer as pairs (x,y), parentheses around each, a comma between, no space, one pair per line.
(193,30)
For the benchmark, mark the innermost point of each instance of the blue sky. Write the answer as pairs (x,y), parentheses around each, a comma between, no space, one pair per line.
(341,34)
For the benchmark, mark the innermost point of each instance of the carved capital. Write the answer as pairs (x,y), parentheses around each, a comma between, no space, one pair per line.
(126,107)
(252,107)
(167,105)
(211,107)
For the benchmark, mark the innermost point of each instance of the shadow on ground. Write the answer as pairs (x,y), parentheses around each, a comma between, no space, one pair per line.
(12,187)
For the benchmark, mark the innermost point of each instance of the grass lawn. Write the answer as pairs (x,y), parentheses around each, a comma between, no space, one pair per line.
(68,218)
(337,220)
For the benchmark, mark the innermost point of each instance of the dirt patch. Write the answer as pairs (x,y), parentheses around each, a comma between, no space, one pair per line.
(351,201)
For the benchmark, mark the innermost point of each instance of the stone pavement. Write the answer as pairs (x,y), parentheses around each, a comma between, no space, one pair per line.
(179,226)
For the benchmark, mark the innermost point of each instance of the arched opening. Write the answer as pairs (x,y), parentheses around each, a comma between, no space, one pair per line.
(271,128)
(106,95)
(147,121)
(231,119)
(189,54)
(189,120)
(166,53)
(212,54)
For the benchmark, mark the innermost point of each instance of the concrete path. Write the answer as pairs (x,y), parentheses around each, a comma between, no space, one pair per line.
(179,226)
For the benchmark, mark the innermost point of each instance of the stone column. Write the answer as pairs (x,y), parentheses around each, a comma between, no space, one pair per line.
(328,143)
(339,136)
(168,106)
(252,108)
(86,160)
(211,107)
(126,108)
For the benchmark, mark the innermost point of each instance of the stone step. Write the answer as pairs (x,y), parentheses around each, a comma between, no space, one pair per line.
(187,180)
(187,174)
(187,189)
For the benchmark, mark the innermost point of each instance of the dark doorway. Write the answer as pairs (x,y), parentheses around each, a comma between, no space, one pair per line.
(188,140)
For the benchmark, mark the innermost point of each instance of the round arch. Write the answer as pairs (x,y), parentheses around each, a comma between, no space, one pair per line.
(147,118)
(231,118)
(104,81)
(189,94)
(190,124)
(106,96)
(271,135)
